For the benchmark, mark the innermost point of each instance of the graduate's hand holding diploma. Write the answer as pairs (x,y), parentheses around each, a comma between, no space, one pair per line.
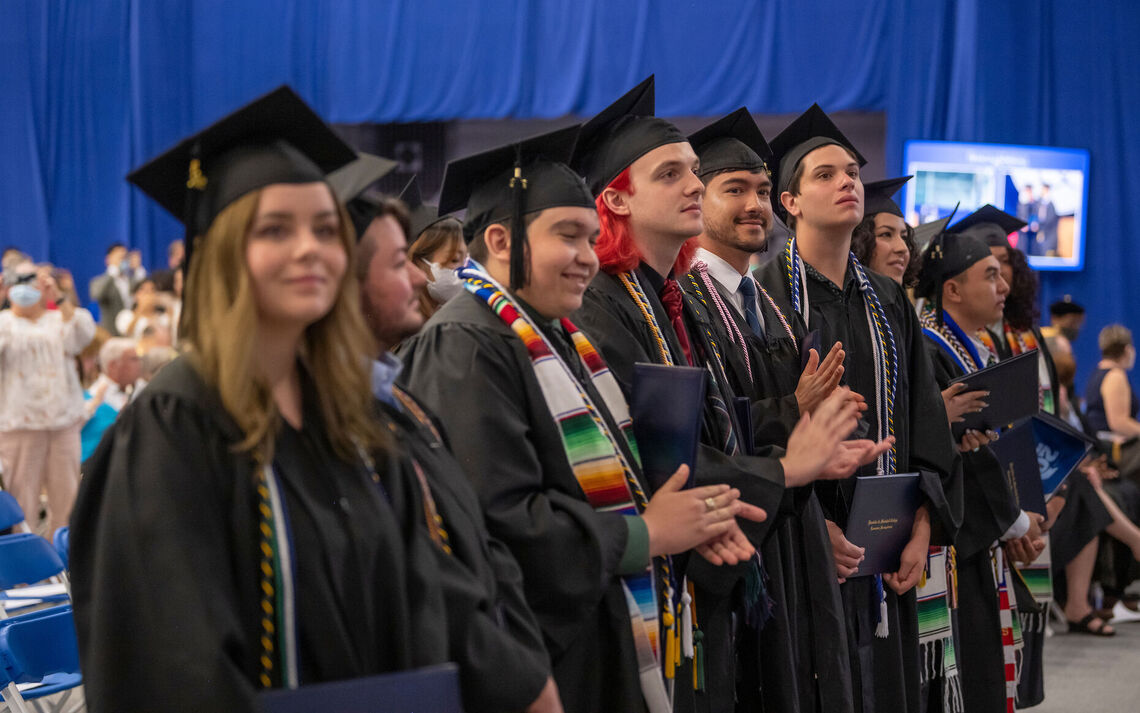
(847,555)
(913,559)
(679,518)
(1025,549)
(960,402)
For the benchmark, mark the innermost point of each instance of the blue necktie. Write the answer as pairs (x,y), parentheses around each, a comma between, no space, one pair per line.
(748,289)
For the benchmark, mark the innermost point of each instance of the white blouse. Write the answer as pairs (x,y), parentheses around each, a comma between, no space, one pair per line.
(39,385)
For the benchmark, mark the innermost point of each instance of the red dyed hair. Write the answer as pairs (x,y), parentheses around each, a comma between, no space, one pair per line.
(615,249)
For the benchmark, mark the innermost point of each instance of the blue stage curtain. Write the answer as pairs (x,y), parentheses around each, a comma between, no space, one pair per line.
(90,88)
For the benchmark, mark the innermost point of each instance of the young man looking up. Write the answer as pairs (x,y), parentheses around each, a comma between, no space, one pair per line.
(818,282)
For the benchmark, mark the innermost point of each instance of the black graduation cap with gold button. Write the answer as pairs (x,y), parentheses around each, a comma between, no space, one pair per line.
(810,131)
(990,224)
(509,182)
(877,197)
(619,135)
(948,255)
(423,215)
(276,138)
(731,143)
(351,181)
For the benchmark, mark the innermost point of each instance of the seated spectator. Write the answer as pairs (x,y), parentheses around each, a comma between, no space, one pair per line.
(154,336)
(122,366)
(154,359)
(41,411)
(147,311)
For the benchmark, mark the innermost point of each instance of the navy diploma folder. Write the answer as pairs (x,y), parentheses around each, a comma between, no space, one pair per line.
(1039,454)
(881,519)
(434,689)
(1013,387)
(667,406)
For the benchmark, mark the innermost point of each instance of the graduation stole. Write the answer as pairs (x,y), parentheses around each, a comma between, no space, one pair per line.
(882,341)
(726,318)
(277,662)
(886,372)
(600,467)
(936,595)
(951,339)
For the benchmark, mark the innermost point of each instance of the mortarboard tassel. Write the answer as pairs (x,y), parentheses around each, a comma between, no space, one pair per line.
(518,227)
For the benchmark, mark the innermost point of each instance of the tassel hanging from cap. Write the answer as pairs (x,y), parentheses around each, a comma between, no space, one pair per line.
(195,185)
(518,276)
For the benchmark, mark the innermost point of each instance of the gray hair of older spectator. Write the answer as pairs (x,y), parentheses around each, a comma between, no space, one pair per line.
(155,359)
(114,349)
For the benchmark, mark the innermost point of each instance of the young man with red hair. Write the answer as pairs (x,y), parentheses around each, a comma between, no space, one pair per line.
(641,170)
(819,283)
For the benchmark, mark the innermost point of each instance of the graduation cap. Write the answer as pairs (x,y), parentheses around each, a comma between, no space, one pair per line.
(511,181)
(276,138)
(947,256)
(350,182)
(731,143)
(808,132)
(619,135)
(926,232)
(423,215)
(1065,306)
(877,197)
(990,224)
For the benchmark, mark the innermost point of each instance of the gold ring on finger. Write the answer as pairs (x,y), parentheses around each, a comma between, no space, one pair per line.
(710,504)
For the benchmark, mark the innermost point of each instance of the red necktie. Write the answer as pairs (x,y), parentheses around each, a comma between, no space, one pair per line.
(671,299)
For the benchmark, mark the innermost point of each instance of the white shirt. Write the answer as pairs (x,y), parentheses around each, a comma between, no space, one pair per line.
(114,395)
(123,320)
(39,384)
(729,279)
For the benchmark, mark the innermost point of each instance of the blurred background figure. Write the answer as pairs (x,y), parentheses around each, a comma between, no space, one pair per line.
(112,290)
(147,310)
(41,408)
(98,415)
(153,360)
(164,279)
(121,365)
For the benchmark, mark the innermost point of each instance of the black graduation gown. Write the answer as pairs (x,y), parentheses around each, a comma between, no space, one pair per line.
(884,671)
(164,559)
(615,327)
(990,509)
(493,635)
(803,647)
(475,374)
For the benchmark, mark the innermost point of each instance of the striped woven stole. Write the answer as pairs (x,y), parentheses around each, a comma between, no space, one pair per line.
(605,476)
(936,594)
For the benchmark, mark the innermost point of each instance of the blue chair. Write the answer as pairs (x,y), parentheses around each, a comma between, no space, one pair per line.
(62,542)
(10,512)
(27,558)
(39,648)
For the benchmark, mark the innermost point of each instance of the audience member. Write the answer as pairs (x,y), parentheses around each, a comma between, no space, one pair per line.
(164,279)
(41,411)
(146,311)
(112,290)
(121,365)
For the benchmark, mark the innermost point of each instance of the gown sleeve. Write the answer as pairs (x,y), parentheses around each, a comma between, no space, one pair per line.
(155,592)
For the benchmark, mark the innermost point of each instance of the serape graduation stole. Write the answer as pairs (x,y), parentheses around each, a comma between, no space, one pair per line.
(607,479)
(1011,641)
(937,595)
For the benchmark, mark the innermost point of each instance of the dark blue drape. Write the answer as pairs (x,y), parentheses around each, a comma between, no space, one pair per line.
(90,88)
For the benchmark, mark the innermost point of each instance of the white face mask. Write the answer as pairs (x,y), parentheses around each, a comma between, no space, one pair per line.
(445,283)
(24,295)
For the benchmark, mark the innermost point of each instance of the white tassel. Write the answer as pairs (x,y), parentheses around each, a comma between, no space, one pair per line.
(686,623)
(883,629)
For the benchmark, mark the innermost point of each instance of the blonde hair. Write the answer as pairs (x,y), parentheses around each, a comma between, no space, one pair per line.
(1114,340)
(219,321)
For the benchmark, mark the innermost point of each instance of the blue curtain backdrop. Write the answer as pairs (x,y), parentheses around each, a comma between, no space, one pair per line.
(90,88)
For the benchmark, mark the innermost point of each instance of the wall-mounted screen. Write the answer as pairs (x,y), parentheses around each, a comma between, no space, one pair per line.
(1044,186)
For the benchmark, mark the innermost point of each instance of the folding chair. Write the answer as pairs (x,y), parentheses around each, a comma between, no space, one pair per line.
(10,512)
(27,558)
(39,648)
(62,542)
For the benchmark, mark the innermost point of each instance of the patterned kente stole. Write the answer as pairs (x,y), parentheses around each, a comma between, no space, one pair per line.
(937,595)
(595,456)
(1038,576)
(886,358)
(954,342)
